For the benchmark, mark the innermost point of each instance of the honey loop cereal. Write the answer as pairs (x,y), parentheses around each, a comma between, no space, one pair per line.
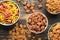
(53,6)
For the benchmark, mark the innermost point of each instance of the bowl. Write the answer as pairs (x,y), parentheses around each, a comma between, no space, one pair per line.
(54,25)
(52,8)
(18,14)
(45,26)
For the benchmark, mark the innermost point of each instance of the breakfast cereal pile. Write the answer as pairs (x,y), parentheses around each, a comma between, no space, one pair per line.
(53,6)
(54,33)
(8,12)
(37,22)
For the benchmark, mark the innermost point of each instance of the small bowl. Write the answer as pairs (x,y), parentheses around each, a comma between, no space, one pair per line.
(50,29)
(35,31)
(17,18)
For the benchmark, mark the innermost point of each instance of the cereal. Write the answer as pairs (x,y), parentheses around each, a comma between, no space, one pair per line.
(29,7)
(32,4)
(35,24)
(40,6)
(40,0)
(18,0)
(33,37)
(27,11)
(53,6)
(39,39)
(9,39)
(29,35)
(25,7)
(25,3)
(54,32)
(33,10)
(19,33)
(8,12)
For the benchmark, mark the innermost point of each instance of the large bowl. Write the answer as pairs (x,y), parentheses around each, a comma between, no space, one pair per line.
(35,31)
(18,16)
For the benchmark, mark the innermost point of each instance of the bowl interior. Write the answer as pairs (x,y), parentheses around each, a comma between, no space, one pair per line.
(18,13)
(45,27)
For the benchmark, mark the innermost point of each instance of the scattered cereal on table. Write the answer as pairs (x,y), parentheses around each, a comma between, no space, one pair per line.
(29,7)
(18,0)
(19,33)
(40,6)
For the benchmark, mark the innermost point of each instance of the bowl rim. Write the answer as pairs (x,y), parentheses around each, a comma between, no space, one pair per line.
(35,31)
(50,29)
(18,10)
(51,12)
